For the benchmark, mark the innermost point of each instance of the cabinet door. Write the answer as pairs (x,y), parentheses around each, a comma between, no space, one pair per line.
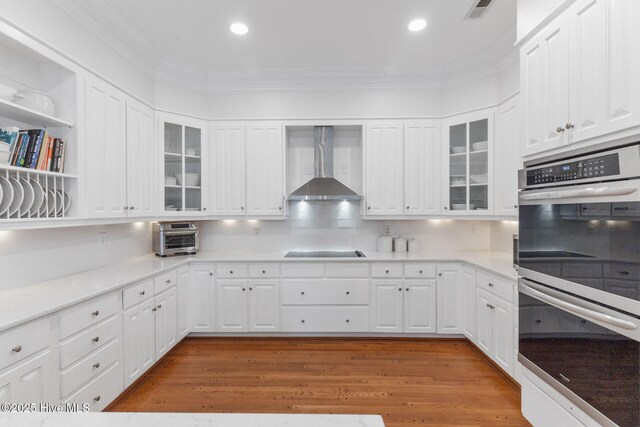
(141,160)
(503,335)
(449,309)
(384,158)
(469,303)
(182,289)
(544,81)
(420,306)
(422,168)
(264,306)
(166,322)
(139,344)
(265,164)
(507,158)
(227,170)
(34,381)
(202,296)
(231,305)
(484,316)
(386,306)
(105,150)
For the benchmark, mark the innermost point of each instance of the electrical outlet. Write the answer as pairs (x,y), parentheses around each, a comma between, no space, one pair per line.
(387,230)
(102,239)
(256,230)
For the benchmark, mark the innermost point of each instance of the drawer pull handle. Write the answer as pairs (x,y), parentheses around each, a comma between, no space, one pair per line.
(490,285)
(142,292)
(96,339)
(95,313)
(17,349)
(97,398)
(264,271)
(347,292)
(96,365)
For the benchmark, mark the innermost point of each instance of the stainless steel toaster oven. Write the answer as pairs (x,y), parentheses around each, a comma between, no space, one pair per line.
(175,238)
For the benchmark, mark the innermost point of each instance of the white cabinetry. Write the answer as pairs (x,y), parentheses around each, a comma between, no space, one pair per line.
(231,305)
(265,169)
(384,165)
(166,321)
(420,305)
(579,76)
(264,305)
(227,170)
(387,301)
(421,168)
(141,161)
(469,303)
(449,292)
(507,158)
(202,298)
(105,149)
(139,340)
(182,295)
(495,329)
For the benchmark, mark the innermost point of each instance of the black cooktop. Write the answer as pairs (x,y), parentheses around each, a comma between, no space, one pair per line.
(324,254)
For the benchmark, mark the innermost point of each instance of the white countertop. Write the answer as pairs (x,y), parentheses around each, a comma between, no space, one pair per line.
(133,419)
(25,303)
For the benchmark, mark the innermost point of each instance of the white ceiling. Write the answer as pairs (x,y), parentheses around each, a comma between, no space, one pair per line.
(294,40)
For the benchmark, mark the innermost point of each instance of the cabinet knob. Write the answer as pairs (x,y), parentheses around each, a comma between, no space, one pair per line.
(279,208)
(386,271)
(204,209)
(559,129)
(515,206)
(168,280)
(264,271)
(348,292)
(244,289)
(97,398)
(491,285)
(210,273)
(400,289)
(406,289)
(302,293)
(96,339)
(95,313)
(125,208)
(302,321)
(368,208)
(446,208)
(142,292)
(440,274)
(242,208)
(420,271)
(96,365)
(347,320)
(569,126)
(250,289)
(230,271)
(154,309)
(408,207)
(17,349)
(159,306)
(131,207)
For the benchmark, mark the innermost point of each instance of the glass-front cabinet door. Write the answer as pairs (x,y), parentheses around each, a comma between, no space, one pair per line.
(182,151)
(469,164)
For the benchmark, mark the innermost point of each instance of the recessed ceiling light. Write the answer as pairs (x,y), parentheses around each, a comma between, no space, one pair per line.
(239,28)
(417,25)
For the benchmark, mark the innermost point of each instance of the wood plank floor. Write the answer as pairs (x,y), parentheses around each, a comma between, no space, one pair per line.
(409,382)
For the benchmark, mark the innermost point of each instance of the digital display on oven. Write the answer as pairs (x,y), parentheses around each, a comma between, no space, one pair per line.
(595,167)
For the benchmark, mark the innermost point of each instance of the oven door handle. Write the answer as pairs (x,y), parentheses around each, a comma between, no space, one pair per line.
(179,233)
(587,192)
(575,309)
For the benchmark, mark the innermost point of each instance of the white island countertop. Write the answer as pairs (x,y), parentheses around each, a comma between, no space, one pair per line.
(136,419)
(22,304)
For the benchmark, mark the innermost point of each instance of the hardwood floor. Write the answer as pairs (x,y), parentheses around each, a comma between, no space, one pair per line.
(408,381)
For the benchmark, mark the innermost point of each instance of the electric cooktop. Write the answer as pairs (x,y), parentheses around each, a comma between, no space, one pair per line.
(324,254)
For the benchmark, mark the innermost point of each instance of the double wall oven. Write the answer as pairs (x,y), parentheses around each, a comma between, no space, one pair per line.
(579,286)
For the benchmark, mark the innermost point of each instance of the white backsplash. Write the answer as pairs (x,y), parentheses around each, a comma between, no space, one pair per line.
(31,256)
(502,235)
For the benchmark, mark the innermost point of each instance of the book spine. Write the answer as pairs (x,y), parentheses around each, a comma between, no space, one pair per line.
(50,154)
(56,155)
(42,157)
(16,150)
(23,150)
(62,151)
(33,161)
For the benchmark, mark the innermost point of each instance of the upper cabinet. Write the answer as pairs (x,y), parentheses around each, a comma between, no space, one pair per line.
(227,169)
(384,165)
(468,164)
(182,148)
(265,169)
(141,160)
(580,76)
(422,168)
(507,158)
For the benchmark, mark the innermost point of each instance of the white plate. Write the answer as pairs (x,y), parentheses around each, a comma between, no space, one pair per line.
(67,202)
(59,203)
(480,146)
(51,199)
(7,194)
(18,196)
(38,197)
(27,201)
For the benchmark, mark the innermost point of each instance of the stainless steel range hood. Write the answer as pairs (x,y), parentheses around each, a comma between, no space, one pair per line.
(324,186)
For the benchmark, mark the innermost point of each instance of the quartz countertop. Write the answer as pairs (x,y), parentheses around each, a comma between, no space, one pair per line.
(25,303)
(136,419)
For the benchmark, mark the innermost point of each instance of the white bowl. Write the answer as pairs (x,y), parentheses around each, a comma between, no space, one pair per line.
(190,151)
(478,146)
(458,206)
(190,179)
(170,180)
(458,150)
(36,101)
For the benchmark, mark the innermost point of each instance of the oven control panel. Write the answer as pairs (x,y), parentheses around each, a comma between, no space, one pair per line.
(594,167)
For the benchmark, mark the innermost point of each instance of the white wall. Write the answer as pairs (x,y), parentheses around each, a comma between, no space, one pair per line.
(533,12)
(31,256)
(51,26)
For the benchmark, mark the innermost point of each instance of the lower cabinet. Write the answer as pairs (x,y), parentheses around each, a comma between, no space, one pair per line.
(495,329)
(449,291)
(469,303)
(139,340)
(166,311)
(325,319)
(182,290)
(231,305)
(403,306)
(33,380)
(248,305)
(202,298)
(264,305)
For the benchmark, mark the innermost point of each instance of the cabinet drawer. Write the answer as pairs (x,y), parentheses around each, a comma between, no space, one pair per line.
(79,346)
(137,293)
(100,392)
(21,343)
(165,281)
(264,270)
(87,314)
(88,368)
(621,270)
(498,287)
(417,270)
(325,319)
(587,270)
(325,292)
(229,271)
(386,270)
(347,269)
(298,269)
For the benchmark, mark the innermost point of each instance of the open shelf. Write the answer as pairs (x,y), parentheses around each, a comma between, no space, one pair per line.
(37,172)
(22,114)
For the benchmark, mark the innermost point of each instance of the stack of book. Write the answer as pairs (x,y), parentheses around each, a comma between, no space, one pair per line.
(33,149)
